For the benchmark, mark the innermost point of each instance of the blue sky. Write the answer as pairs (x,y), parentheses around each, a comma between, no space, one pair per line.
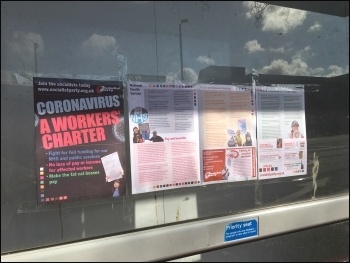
(86,38)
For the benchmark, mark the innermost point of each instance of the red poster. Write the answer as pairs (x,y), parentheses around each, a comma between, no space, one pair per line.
(214,168)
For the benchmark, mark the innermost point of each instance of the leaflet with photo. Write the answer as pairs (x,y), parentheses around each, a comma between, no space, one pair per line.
(164,144)
(282,145)
(227,126)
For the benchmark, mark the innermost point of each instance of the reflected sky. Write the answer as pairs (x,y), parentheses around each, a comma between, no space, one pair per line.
(87,37)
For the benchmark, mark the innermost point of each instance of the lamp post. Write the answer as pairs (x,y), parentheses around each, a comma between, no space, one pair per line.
(185,20)
(36,45)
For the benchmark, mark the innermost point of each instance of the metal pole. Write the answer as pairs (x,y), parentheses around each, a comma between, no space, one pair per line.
(181,62)
(36,62)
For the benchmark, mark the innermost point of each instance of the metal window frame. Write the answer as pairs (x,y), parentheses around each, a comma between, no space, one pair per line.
(166,242)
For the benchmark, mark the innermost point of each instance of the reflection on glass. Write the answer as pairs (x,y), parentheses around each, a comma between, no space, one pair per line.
(221,44)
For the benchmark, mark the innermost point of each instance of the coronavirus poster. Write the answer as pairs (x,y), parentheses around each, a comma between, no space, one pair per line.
(80,142)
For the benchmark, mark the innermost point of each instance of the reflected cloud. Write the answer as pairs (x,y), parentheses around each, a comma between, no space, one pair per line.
(315,27)
(298,67)
(205,60)
(336,70)
(318,72)
(253,46)
(282,67)
(277,50)
(275,18)
(97,45)
(302,54)
(282,19)
(190,76)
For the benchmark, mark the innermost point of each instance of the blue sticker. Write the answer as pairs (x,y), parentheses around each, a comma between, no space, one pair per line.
(239,230)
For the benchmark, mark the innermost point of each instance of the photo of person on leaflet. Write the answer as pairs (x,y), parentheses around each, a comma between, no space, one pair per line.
(295,133)
(279,143)
(248,140)
(137,137)
(117,186)
(156,138)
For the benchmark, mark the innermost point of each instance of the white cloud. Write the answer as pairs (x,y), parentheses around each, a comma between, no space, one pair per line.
(315,27)
(302,54)
(282,19)
(190,76)
(205,60)
(277,50)
(171,77)
(275,18)
(22,46)
(253,46)
(334,70)
(298,67)
(253,6)
(282,67)
(98,45)
(317,72)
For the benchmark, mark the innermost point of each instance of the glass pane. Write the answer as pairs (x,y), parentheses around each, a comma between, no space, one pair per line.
(221,42)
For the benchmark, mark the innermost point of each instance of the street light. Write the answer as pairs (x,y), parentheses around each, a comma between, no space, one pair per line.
(36,45)
(185,20)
